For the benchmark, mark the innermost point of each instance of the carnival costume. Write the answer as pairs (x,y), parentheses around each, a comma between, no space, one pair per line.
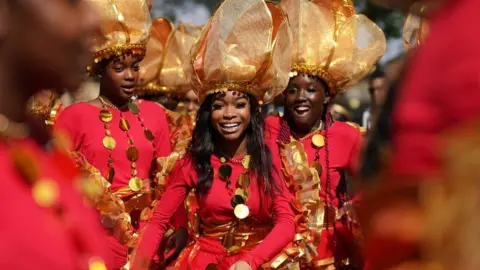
(244,47)
(123,150)
(45,106)
(334,44)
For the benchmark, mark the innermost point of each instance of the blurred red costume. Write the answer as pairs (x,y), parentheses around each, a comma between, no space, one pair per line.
(66,235)
(434,165)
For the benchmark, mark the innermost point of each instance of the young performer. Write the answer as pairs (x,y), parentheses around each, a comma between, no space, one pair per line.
(242,56)
(117,138)
(333,49)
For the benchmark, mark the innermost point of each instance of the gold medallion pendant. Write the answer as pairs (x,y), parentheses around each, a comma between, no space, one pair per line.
(318,140)
(106,116)
(241,211)
(135,183)
(124,125)
(149,135)
(244,180)
(109,142)
(225,171)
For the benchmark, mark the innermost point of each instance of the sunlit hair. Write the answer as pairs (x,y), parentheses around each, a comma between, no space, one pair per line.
(205,138)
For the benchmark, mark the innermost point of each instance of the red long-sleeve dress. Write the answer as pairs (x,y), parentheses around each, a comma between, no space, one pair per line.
(81,121)
(36,237)
(344,145)
(273,220)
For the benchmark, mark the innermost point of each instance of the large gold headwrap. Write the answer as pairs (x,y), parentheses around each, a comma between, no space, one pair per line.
(125,26)
(415,29)
(161,31)
(163,68)
(332,42)
(245,46)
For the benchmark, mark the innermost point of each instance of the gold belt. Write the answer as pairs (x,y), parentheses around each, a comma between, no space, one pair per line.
(237,235)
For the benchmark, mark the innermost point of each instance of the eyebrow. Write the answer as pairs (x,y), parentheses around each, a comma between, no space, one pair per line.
(241,97)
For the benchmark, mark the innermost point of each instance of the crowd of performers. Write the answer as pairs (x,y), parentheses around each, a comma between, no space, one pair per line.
(179,164)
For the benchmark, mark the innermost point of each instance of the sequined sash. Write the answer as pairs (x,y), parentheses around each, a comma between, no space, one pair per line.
(235,236)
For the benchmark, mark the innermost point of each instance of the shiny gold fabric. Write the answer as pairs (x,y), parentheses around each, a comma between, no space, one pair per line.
(236,236)
(160,33)
(165,67)
(245,46)
(125,26)
(332,42)
(45,106)
(415,29)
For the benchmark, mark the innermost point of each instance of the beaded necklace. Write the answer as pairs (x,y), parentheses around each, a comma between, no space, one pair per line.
(241,193)
(132,152)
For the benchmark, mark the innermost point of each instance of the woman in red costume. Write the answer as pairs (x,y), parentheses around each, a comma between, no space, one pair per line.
(329,56)
(245,210)
(45,223)
(116,138)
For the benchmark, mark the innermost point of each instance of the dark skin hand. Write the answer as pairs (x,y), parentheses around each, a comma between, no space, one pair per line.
(305,101)
(179,241)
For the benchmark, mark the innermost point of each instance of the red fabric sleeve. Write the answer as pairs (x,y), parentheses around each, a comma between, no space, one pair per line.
(353,159)
(163,149)
(69,122)
(174,196)
(281,234)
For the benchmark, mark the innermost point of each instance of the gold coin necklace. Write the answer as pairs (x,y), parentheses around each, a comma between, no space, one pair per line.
(45,191)
(318,141)
(241,194)
(133,154)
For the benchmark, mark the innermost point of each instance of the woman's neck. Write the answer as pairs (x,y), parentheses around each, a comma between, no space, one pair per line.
(301,133)
(116,102)
(232,149)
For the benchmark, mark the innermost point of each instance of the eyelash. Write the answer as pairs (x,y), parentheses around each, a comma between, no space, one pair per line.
(241,105)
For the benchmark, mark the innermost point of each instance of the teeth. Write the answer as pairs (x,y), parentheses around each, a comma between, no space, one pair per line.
(230,125)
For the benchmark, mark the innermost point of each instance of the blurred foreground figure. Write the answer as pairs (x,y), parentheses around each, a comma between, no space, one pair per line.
(45,224)
(429,194)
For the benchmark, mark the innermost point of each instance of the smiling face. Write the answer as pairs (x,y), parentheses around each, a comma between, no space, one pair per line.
(230,115)
(305,99)
(120,78)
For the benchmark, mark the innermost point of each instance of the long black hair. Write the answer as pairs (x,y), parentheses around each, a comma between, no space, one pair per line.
(203,142)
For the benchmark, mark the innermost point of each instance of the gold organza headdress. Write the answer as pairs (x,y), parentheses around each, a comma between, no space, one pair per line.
(415,29)
(332,42)
(161,32)
(245,46)
(125,26)
(163,68)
